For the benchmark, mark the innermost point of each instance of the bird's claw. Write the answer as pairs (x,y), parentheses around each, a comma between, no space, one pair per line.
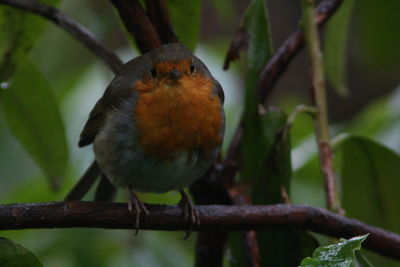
(189,213)
(136,207)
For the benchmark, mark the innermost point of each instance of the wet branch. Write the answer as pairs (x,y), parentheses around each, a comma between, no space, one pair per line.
(213,217)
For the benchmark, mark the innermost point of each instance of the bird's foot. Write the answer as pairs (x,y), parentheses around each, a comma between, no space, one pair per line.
(189,212)
(136,207)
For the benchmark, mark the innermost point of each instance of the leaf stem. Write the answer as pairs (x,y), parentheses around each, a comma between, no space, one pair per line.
(319,93)
(298,110)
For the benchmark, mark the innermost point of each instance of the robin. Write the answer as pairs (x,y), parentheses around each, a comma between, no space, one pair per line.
(158,127)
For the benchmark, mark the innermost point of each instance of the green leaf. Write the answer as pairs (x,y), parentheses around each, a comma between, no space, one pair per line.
(369,174)
(259,139)
(336,47)
(185,18)
(274,179)
(337,255)
(18,32)
(256,25)
(265,152)
(15,255)
(275,167)
(375,44)
(33,116)
(237,251)
(225,11)
(307,181)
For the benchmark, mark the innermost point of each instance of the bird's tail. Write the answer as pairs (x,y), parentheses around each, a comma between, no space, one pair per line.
(105,191)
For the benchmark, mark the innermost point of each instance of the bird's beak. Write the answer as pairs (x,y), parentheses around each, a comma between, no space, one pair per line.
(175,75)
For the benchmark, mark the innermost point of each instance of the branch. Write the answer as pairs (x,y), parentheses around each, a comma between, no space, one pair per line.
(290,48)
(138,24)
(157,11)
(80,33)
(212,217)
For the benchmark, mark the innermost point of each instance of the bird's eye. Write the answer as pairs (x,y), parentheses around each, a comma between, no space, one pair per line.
(192,68)
(153,72)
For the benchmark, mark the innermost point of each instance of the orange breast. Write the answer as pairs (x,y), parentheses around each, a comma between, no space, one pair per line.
(185,116)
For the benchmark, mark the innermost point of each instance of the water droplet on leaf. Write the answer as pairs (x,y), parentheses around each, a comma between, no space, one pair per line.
(4,85)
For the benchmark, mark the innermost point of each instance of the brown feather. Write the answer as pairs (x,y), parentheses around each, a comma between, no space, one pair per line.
(93,124)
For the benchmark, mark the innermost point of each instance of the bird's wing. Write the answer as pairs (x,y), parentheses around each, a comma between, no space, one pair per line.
(120,89)
(218,91)
(93,124)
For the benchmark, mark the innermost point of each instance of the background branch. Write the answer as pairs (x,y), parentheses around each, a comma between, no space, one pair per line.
(80,33)
(213,217)
(138,24)
(289,49)
(276,65)
(157,10)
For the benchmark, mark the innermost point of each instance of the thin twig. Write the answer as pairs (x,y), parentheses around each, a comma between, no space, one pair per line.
(240,41)
(212,217)
(80,33)
(290,48)
(138,24)
(251,248)
(299,110)
(319,92)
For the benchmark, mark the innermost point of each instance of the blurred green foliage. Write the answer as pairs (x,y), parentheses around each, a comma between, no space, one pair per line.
(32,114)
(12,255)
(369,173)
(335,49)
(185,18)
(377,43)
(255,139)
(45,100)
(18,31)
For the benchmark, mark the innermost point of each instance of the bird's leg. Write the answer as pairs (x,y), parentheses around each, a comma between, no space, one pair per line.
(136,206)
(189,212)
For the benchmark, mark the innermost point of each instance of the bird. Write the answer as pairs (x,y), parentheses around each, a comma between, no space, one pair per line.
(158,127)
